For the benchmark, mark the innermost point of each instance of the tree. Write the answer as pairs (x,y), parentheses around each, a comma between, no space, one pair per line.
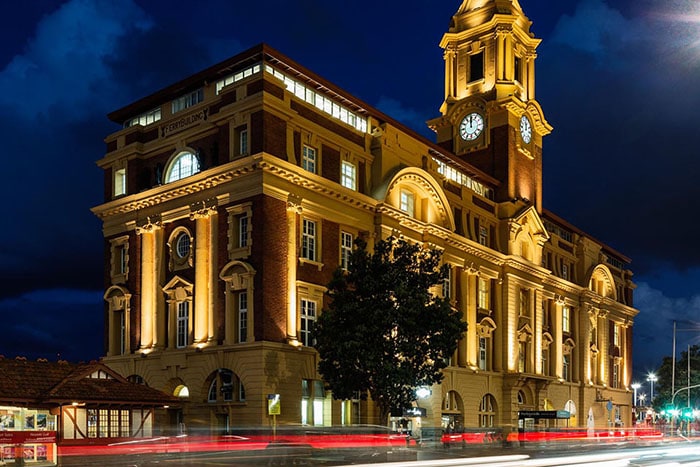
(384,331)
(663,386)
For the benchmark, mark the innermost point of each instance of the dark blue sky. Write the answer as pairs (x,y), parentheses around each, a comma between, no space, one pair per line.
(617,80)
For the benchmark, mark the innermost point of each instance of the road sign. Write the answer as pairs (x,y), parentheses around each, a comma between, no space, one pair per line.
(273,404)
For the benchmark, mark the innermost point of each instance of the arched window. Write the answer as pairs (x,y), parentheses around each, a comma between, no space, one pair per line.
(181,391)
(225,386)
(487,411)
(183,165)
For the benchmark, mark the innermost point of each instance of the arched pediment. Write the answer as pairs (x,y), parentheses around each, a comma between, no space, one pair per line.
(486,327)
(527,235)
(117,297)
(525,332)
(237,274)
(424,188)
(547,339)
(115,291)
(601,281)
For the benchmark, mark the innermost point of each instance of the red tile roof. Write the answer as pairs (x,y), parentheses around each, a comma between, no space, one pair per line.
(51,383)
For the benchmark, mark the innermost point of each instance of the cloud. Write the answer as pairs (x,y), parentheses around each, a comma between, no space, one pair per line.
(63,67)
(52,324)
(409,117)
(599,29)
(653,326)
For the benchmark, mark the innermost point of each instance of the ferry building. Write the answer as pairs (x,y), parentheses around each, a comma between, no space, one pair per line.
(232,195)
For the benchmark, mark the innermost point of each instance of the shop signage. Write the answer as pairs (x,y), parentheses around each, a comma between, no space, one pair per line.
(183,123)
(546,414)
(415,412)
(27,437)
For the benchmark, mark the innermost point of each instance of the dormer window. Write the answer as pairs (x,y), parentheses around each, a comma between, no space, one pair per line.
(184,165)
(188,100)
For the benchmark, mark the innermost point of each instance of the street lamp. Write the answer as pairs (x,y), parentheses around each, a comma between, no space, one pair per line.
(651,377)
(642,398)
(635,386)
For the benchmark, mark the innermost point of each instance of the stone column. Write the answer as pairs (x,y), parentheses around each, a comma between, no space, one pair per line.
(472,331)
(537,329)
(293,209)
(504,338)
(602,348)
(149,276)
(203,306)
(557,351)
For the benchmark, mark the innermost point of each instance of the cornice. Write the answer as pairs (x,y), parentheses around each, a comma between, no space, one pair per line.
(192,185)
(561,284)
(293,175)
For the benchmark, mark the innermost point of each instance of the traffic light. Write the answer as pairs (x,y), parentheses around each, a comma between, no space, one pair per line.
(687,413)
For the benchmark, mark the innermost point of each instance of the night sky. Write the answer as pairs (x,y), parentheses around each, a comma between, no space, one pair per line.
(618,80)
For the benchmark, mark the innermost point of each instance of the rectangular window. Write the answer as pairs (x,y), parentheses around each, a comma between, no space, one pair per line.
(566,319)
(565,367)
(476,66)
(120,258)
(616,335)
(522,356)
(524,302)
(103,420)
(484,301)
(616,375)
(483,235)
(243,231)
(243,142)
(114,424)
(308,159)
(122,332)
(92,423)
(242,316)
(119,182)
(483,353)
(345,249)
(124,421)
(348,175)
(144,119)
(518,70)
(188,100)
(308,240)
(447,284)
(565,271)
(318,402)
(407,203)
(183,319)
(308,319)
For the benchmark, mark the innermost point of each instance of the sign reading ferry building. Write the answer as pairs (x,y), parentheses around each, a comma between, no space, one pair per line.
(233,195)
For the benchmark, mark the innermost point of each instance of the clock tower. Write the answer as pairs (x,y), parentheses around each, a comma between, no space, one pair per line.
(490,117)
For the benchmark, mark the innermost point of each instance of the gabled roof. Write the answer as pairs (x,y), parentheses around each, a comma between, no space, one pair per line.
(49,383)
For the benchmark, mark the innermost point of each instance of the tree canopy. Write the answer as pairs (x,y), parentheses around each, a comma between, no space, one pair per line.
(663,393)
(384,331)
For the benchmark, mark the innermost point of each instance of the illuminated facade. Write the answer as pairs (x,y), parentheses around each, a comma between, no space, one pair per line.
(233,195)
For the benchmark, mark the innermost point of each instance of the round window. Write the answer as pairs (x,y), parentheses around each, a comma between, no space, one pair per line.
(182,245)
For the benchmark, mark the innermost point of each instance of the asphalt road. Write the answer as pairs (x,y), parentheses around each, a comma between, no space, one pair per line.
(603,455)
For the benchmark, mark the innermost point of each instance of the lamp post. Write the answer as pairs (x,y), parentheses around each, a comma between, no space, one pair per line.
(642,398)
(651,377)
(635,386)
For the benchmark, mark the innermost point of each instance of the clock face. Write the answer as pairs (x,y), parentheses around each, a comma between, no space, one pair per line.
(525,129)
(471,127)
